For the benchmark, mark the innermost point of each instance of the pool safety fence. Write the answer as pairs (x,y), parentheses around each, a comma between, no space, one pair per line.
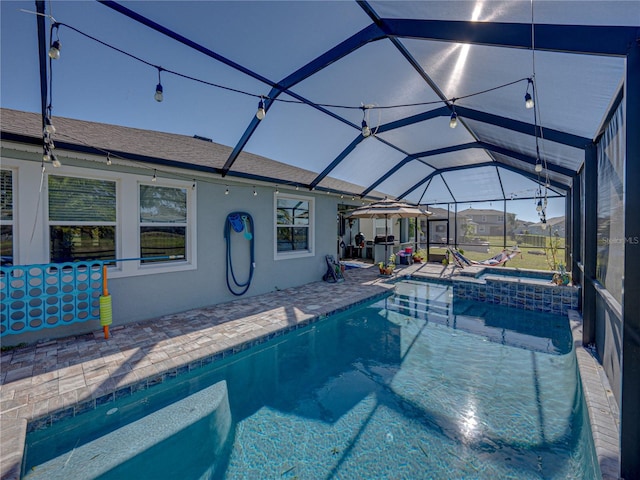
(35,297)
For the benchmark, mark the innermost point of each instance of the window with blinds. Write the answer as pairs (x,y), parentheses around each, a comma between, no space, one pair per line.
(82,219)
(6,226)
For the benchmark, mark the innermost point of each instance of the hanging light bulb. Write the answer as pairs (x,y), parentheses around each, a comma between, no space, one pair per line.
(108,159)
(54,51)
(261,111)
(277,190)
(55,162)
(453,121)
(193,185)
(155,176)
(46,157)
(297,187)
(159,90)
(49,129)
(158,95)
(538,167)
(255,194)
(366,131)
(226,190)
(528,99)
(539,206)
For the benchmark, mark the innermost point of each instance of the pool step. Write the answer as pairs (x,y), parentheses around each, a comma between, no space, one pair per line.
(202,420)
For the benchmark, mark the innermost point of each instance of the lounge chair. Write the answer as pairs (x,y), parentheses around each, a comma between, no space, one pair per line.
(497,260)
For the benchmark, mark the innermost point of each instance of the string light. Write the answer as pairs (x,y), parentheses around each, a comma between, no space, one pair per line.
(453,121)
(155,176)
(54,51)
(49,129)
(366,131)
(255,194)
(538,167)
(277,190)
(193,186)
(261,111)
(226,189)
(55,162)
(108,158)
(159,91)
(528,99)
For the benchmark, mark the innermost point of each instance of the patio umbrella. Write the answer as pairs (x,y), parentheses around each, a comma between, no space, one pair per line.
(387,209)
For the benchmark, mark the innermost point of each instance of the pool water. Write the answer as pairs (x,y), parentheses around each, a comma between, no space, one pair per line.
(411,386)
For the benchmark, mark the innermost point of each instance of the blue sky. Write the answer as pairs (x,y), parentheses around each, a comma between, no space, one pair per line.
(93,82)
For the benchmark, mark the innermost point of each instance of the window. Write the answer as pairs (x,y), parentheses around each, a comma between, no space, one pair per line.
(480,228)
(82,219)
(484,219)
(294,226)
(163,224)
(500,218)
(6,233)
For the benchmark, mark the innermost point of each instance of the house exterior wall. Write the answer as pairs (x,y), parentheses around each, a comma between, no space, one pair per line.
(154,290)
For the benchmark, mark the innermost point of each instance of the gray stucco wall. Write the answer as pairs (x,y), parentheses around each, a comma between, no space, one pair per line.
(139,298)
(146,296)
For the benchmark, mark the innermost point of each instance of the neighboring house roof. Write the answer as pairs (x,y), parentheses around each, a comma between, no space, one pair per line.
(556,221)
(480,211)
(159,148)
(441,214)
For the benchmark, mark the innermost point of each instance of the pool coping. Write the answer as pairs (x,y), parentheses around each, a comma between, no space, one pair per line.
(16,417)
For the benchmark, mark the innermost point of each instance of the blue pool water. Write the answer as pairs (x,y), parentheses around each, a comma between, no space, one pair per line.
(409,387)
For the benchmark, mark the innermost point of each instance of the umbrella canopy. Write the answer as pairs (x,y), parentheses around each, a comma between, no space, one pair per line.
(386,209)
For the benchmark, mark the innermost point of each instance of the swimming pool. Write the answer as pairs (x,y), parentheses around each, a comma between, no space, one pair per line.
(416,385)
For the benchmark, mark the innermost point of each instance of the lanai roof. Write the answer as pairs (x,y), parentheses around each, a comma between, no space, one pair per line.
(341,62)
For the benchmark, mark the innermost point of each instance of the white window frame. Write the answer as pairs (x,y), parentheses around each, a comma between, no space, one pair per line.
(128,220)
(190,230)
(70,172)
(312,242)
(14,212)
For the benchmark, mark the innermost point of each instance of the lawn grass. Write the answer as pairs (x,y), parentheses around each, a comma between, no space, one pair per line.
(533,258)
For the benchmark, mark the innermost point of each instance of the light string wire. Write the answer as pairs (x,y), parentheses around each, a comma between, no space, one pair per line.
(538,128)
(55,25)
(277,99)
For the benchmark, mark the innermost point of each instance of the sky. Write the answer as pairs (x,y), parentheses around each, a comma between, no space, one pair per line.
(93,82)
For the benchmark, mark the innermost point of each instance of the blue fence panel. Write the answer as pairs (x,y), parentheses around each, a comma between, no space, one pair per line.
(34,297)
